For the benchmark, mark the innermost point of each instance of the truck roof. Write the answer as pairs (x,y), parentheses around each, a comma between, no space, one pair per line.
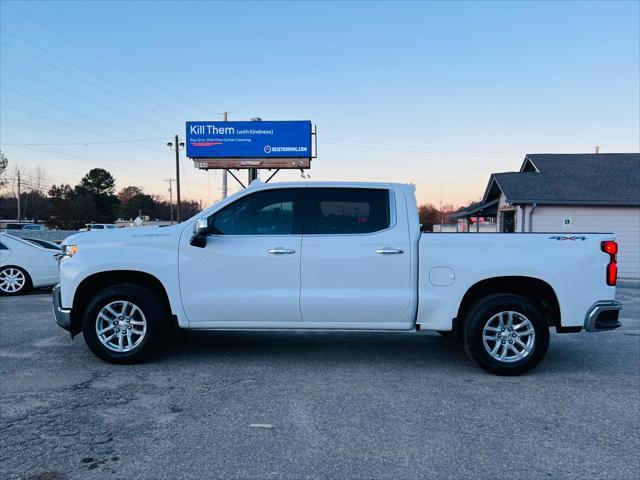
(258,183)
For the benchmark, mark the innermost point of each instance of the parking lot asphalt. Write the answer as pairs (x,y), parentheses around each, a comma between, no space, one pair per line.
(314,405)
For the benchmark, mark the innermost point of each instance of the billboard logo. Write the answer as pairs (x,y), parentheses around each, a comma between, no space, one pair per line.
(267,149)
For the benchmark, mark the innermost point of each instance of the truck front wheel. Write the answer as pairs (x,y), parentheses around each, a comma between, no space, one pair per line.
(124,323)
(505,334)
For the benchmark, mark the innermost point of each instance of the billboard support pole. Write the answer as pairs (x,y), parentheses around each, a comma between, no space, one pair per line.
(271,176)
(177,146)
(253,172)
(224,173)
(237,179)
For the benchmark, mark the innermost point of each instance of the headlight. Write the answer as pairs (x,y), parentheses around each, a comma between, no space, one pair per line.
(69,250)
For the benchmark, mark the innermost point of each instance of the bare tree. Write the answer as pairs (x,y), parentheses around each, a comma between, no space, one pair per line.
(4,162)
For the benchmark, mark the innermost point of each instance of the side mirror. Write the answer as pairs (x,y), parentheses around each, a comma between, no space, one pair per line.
(202,226)
(200,231)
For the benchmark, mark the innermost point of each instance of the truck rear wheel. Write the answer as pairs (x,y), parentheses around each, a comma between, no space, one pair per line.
(505,334)
(124,323)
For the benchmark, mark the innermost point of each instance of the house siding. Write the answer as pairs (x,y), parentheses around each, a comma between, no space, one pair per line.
(624,222)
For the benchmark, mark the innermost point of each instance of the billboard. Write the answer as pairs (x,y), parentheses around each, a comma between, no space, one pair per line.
(249,140)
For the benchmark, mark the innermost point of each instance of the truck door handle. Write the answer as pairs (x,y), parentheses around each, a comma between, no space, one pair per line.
(281,251)
(389,251)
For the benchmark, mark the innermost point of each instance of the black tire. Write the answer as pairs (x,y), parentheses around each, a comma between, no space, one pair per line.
(478,316)
(26,287)
(151,306)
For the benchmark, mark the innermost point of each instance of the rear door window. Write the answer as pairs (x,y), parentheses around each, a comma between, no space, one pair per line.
(344,211)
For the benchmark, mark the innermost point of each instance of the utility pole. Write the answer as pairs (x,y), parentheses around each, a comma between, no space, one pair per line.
(253,172)
(176,146)
(170,180)
(441,215)
(19,215)
(225,116)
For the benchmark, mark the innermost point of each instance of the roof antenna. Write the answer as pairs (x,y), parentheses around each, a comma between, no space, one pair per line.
(597,147)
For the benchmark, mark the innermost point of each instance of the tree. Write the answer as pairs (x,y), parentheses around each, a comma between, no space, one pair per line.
(127,193)
(35,205)
(4,161)
(71,208)
(188,208)
(100,184)
(98,181)
(162,209)
(429,216)
(8,206)
(138,204)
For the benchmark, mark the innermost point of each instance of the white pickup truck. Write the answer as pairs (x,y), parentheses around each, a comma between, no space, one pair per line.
(334,256)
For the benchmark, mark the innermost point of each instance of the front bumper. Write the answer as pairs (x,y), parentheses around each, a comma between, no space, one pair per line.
(63,315)
(603,316)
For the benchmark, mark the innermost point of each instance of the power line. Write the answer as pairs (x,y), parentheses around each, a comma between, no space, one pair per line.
(75,158)
(72,125)
(88,143)
(83,69)
(115,110)
(81,159)
(93,84)
(93,119)
(106,162)
(6,105)
(105,59)
(409,148)
(394,163)
(423,147)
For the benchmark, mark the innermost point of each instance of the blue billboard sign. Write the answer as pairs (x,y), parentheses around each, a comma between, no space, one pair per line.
(265,139)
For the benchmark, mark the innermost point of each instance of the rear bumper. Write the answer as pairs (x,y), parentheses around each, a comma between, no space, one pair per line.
(603,316)
(62,315)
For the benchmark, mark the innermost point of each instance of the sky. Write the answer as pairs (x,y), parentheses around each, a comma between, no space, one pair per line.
(438,94)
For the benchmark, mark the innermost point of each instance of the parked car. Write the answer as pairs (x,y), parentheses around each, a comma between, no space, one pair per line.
(334,256)
(25,265)
(98,226)
(22,226)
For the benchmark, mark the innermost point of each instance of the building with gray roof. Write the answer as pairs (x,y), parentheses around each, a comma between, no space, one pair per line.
(568,193)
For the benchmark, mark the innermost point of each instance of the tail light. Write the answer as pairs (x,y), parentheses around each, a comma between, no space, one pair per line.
(610,247)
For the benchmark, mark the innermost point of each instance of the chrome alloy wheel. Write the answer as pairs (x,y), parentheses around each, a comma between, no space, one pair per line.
(12,280)
(121,326)
(508,336)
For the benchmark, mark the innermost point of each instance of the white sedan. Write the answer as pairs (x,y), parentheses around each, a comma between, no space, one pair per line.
(25,264)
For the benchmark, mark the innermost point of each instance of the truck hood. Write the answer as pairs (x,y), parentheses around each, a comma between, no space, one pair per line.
(123,236)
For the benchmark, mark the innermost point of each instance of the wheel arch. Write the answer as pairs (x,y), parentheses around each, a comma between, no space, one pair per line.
(534,289)
(101,280)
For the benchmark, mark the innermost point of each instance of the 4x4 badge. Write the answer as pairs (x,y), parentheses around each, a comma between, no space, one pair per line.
(564,237)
